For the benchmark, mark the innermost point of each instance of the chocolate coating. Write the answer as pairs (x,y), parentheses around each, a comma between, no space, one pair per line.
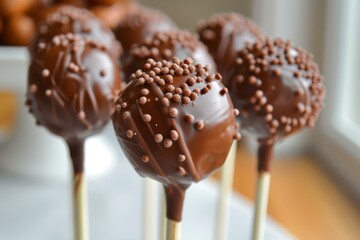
(225,34)
(165,46)
(72,82)
(18,30)
(175,123)
(138,24)
(277,88)
(80,21)
(112,14)
(104,2)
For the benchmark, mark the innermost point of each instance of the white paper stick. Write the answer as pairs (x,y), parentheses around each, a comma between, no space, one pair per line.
(262,194)
(173,230)
(80,208)
(224,201)
(150,214)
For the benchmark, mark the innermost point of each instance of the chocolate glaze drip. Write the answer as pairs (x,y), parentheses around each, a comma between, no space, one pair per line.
(225,34)
(76,150)
(79,21)
(277,88)
(72,82)
(139,24)
(175,123)
(175,196)
(265,155)
(165,46)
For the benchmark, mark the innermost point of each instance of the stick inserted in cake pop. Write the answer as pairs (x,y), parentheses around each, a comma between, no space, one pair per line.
(279,91)
(72,81)
(175,123)
(225,34)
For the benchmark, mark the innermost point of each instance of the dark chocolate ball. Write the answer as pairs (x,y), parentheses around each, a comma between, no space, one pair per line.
(18,30)
(175,121)
(225,34)
(112,14)
(10,8)
(277,88)
(138,24)
(72,81)
(69,19)
(165,46)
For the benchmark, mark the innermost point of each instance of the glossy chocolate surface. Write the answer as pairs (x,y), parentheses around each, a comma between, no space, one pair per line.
(72,82)
(225,34)
(165,46)
(80,21)
(138,24)
(277,88)
(175,122)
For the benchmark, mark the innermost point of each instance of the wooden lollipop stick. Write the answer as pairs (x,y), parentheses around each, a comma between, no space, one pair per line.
(149,209)
(224,200)
(265,153)
(262,193)
(173,230)
(163,218)
(80,208)
(81,220)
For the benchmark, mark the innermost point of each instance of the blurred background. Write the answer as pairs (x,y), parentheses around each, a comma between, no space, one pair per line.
(315,189)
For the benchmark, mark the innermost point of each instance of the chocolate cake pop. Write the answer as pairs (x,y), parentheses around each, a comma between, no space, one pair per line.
(15,7)
(72,81)
(69,19)
(277,88)
(279,91)
(140,23)
(162,116)
(18,30)
(112,14)
(165,46)
(225,34)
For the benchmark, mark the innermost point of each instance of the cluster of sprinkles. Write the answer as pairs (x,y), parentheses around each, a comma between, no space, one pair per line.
(198,81)
(165,46)
(49,82)
(282,61)
(69,19)
(224,34)
(208,28)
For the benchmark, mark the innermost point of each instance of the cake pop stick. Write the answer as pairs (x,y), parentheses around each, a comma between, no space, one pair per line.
(226,182)
(149,209)
(265,153)
(224,34)
(76,149)
(279,91)
(160,118)
(72,81)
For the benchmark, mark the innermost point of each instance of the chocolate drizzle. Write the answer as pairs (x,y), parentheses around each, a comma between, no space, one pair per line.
(165,46)
(68,91)
(225,34)
(79,21)
(278,89)
(265,155)
(157,125)
(139,24)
